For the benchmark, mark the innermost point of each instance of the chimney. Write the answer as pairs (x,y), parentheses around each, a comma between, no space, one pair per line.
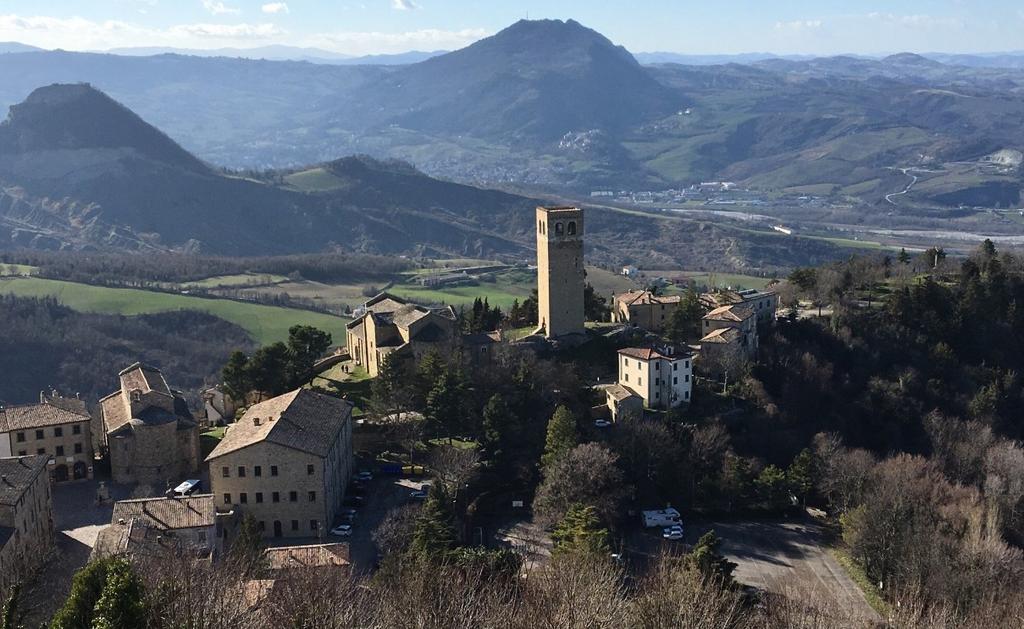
(255,421)
(42,397)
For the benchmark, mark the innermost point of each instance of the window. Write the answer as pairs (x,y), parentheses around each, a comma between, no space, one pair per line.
(540,227)
(625,361)
(293,496)
(261,526)
(309,470)
(225,472)
(58,432)
(312,496)
(243,498)
(257,470)
(686,378)
(39,434)
(295,525)
(675,380)
(314,525)
(241,471)
(41,451)
(626,376)
(572,228)
(275,497)
(639,382)
(273,470)
(78,448)
(687,364)
(227,499)
(259,497)
(686,395)
(657,366)
(657,382)
(675,366)
(76,429)
(60,450)
(21,437)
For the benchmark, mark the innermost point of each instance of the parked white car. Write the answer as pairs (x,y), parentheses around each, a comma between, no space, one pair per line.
(342,530)
(673,533)
(602,423)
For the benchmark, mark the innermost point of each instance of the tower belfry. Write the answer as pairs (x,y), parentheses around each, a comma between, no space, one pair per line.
(560,273)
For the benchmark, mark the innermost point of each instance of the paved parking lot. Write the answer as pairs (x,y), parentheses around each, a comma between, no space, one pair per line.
(788,558)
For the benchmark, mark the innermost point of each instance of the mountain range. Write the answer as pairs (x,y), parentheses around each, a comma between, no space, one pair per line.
(554,105)
(80,171)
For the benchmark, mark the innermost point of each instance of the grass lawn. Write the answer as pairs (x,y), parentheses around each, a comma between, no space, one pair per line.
(242,279)
(265,324)
(508,287)
(209,440)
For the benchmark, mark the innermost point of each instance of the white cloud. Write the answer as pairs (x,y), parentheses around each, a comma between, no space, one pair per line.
(218,8)
(404,5)
(362,43)
(798,25)
(915,20)
(275,7)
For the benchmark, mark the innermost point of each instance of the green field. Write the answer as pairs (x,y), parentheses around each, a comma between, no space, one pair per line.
(508,287)
(265,324)
(7,270)
(236,281)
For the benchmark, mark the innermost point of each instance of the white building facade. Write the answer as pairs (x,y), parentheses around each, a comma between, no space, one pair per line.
(662,377)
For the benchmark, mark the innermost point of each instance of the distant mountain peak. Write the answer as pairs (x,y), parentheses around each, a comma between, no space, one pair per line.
(911,59)
(77,116)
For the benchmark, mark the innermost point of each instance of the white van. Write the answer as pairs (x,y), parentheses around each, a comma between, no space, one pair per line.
(663,517)
(188,487)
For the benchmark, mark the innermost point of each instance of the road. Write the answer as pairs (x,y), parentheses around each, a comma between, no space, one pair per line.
(913,181)
(789,558)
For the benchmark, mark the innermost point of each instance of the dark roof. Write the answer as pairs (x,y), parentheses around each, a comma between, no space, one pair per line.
(302,420)
(5,534)
(17,474)
(479,338)
(37,416)
(168,513)
(145,378)
(650,353)
(431,333)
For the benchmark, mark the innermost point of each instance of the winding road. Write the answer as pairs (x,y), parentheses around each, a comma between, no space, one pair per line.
(913,180)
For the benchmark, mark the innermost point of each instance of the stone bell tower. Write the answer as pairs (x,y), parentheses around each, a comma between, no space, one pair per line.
(560,270)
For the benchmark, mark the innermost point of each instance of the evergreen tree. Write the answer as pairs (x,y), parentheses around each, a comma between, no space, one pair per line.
(595,306)
(446,403)
(247,547)
(306,345)
(389,391)
(904,257)
(268,369)
(707,558)
(685,318)
(122,602)
(771,484)
(561,436)
(428,372)
(86,589)
(580,532)
(498,426)
(237,377)
(434,532)
(800,475)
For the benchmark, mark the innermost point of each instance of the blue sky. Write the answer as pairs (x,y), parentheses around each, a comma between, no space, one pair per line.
(387,26)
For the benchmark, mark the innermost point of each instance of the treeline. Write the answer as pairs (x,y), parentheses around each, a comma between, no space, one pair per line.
(44,344)
(137,269)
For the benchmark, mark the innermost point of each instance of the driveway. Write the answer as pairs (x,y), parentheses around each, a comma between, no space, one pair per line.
(788,558)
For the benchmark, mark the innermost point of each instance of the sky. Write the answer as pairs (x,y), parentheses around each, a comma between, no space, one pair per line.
(391,26)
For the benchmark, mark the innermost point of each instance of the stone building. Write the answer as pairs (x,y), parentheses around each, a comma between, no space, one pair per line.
(740,317)
(26,516)
(643,309)
(622,401)
(389,325)
(152,526)
(311,561)
(764,303)
(722,351)
(57,427)
(560,272)
(661,377)
(286,463)
(148,430)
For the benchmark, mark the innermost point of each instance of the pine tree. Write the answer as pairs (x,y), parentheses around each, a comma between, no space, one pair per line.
(685,318)
(771,483)
(800,475)
(580,532)
(237,377)
(86,588)
(561,436)
(904,257)
(389,392)
(707,557)
(445,404)
(497,426)
(122,602)
(433,533)
(428,372)
(306,345)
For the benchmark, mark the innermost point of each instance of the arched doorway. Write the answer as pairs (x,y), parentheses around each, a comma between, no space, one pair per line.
(60,473)
(277,528)
(80,470)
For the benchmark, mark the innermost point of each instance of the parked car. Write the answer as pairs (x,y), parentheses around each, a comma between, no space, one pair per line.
(342,530)
(189,487)
(602,423)
(363,476)
(349,511)
(673,533)
(419,494)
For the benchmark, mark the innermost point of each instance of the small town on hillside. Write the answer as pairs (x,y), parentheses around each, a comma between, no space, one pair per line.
(307,474)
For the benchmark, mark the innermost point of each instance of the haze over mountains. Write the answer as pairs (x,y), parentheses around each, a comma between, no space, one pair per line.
(554,103)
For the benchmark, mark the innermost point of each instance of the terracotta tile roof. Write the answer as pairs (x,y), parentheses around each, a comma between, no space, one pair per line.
(17,474)
(619,392)
(37,416)
(645,353)
(301,420)
(145,378)
(723,336)
(168,513)
(646,297)
(311,556)
(734,313)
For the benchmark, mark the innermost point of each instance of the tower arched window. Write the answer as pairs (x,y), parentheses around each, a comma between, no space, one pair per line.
(559,229)
(540,227)
(571,229)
